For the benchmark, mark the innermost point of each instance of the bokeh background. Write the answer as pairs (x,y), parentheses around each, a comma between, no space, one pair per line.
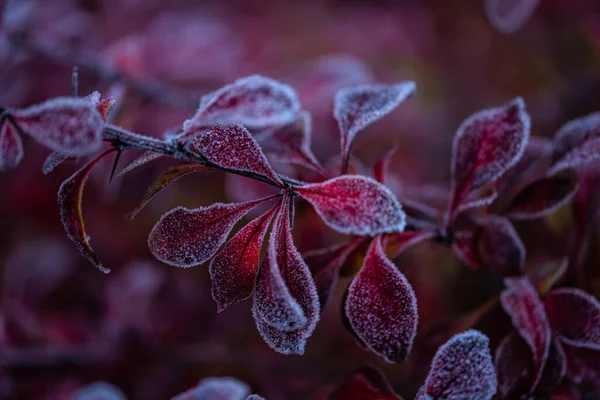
(152,329)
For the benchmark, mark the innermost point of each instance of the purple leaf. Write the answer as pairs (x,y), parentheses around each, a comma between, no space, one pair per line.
(575,317)
(583,365)
(216,388)
(69,201)
(542,197)
(555,368)
(486,145)
(325,265)
(232,147)
(255,101)
(146,157)
(53,160)
(99,391)
(381,307)
(509,15)
(185,238)
(291,143)
(521,302)
(67,125)
(355,205)
(286,304)
(367,383)
(11,147)
(461,369)
(576,143)
(233,271)
(499,246)
(514,365)
(163,181)
(357,107)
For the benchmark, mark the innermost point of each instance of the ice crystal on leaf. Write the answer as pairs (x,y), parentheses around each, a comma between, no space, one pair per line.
(216,388)
(233,271)
(144,158)
(461,369)
(185,238)
(355,205)
(53,160)
(11,147)
(255,102)
(232,147)
(381,306)
(485,146)
(509,15)
(357,107)
(68,125)
(99,391)
(576,143)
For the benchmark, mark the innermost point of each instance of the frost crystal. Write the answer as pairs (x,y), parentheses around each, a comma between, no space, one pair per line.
(99,391)
(355,205)
(53,160)
(68,125)
(381,306)
(216,388)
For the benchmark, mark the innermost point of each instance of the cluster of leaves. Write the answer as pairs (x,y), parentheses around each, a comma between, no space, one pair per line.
(497,174)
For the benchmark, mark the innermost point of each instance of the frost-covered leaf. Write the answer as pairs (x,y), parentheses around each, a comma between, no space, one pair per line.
(233,271)
(522,303)
(146,157)
(163,181)
(461,369)
(70,195)
(499,246)
(231,147)
(367,383)
(185,238)
(99,391)
(514,365)
(68,125)
(575,317)
(216,388)
(11,147)
(102,105)
(509,15)
(485,146)
(254,101)
(576,143)
(355,205)
(357,107)
(583,365)
(291,143)
(381,306)
(53,160)
(286,304)
(325,265)
(542,197)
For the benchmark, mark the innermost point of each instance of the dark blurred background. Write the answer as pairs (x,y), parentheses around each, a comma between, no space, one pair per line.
(152,329)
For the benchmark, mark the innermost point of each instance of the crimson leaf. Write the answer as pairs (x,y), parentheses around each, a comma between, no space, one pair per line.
(381,306)
(542,197)
(576,143)
(11,147)
(146,157)
(485,146)
(185,238)
(367,383)
(514,365)
(355,205)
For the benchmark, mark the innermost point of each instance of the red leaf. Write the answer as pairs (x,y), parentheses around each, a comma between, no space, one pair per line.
(216,388)
(357,107)
(355,205)
(99,391)
(11,147)
(185,238)
(382,165)
(146,157)
(514,365)
(254,101)
(576,143)
(53,160)
(486,145)
(575,317)
(69,201)
(521,302)
(542,198)
(499,246)
(555,368)
(583,365)
(367,383)
(461,369)
(233,271)
(286,304)
(381,307)
(398,242)
(102,105)
(232,147)
(67,125)
(163,181)
(325,265)
(509,16)
(291,143)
